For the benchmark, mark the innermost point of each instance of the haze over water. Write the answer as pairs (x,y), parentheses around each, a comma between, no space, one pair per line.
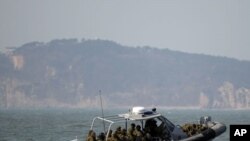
(65,125)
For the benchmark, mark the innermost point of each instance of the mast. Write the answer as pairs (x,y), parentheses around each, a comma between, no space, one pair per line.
(100,93)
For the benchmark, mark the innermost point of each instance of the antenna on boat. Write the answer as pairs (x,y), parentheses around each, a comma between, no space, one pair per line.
(100,93)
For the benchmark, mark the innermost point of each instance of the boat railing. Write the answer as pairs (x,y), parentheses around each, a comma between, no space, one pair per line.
(113,119)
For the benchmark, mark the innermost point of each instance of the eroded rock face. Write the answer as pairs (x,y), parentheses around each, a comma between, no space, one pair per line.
(69,73)
(18,61)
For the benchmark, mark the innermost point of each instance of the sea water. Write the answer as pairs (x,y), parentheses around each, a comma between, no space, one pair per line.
(67,124)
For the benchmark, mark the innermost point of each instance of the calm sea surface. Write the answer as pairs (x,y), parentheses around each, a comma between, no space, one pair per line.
(65,125)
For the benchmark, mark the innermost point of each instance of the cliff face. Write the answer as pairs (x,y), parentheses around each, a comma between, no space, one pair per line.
(230,97)
(69,73)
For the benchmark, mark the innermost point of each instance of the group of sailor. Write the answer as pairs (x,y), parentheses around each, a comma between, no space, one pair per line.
(134,133)
(192,129)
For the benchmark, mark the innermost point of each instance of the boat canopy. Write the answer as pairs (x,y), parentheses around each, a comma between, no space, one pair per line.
(136,114)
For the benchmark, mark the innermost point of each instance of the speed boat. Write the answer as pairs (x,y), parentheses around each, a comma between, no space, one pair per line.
(162,130)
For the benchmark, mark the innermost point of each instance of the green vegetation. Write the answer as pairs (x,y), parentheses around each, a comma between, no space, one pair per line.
(69,73)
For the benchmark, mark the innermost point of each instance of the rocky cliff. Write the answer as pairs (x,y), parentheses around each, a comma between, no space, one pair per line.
(70,73)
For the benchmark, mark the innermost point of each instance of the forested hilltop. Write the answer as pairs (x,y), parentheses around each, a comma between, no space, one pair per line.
(70,73)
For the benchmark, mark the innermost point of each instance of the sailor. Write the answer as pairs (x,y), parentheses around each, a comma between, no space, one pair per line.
(101,137)
(115,136)
(123,136)
(147,127)
(138,133)
(151,127)
(119,130)
(89,134)
(110,135)
(92,136)
(131,132)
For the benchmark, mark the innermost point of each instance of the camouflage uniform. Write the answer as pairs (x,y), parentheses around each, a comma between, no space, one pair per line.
(138,133)
(92,136)
(131,132)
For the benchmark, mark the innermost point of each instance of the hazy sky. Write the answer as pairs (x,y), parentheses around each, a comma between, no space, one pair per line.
(216,27)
